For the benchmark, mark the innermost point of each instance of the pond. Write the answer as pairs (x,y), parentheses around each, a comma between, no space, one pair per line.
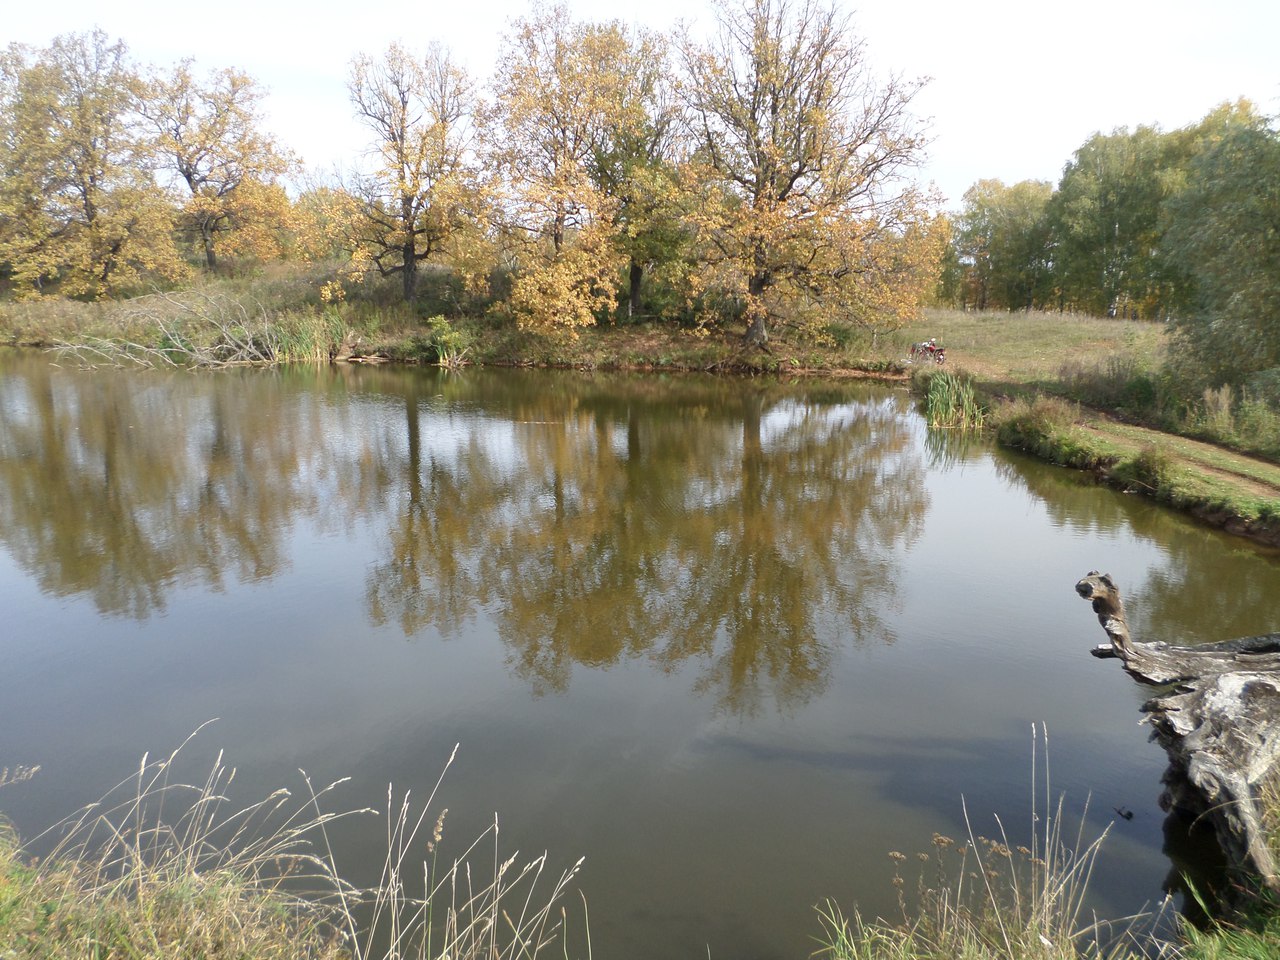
(732,641)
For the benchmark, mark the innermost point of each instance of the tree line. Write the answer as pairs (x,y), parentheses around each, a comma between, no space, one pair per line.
(1181,227)
(758,176)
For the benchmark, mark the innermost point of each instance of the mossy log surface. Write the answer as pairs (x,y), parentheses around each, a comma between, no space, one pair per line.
(1218,720)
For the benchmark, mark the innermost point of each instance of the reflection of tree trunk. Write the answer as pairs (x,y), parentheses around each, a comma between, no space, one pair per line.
(1219,726)
(752,449)
(633,437)
(415,449)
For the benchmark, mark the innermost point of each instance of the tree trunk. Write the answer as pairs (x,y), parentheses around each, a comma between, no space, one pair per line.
(409,273)
(1218,722)
(633,292)
(210,258)
(757,333)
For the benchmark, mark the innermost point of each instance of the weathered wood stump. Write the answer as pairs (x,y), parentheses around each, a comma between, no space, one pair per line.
(1218,722)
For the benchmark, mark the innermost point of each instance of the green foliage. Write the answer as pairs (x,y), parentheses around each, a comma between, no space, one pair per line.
(1045,426)
(1244,420)
(441,343)
(950,400)
(1001,246)
(1151,469)
(1105,220)
(1122,381)
(1222,227)
(1247,938)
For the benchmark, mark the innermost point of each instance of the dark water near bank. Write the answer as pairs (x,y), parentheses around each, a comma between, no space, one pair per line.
(733,641)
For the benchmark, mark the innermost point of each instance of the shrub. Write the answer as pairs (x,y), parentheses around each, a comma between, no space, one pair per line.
(1150,469)
(441,343)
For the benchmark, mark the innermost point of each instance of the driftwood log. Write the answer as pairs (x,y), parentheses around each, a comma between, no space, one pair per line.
(1218,721)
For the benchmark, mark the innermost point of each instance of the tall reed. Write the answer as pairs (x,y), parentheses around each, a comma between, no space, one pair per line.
(950,401)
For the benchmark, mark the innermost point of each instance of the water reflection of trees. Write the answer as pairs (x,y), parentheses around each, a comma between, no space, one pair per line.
(741,528)
(1209,586)
(121,487)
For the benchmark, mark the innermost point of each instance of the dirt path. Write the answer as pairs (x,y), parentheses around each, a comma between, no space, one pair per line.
(1257,477)
(1218,475)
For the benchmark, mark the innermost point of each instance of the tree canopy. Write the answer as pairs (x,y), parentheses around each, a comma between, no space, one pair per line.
(803,203)
(420,188)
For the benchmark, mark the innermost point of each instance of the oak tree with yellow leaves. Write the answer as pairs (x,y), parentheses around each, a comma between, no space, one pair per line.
(420,189)
(207,134)
(797,186)
(79,212)
(565,95)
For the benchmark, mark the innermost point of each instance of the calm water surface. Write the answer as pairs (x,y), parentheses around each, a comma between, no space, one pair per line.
(732,641)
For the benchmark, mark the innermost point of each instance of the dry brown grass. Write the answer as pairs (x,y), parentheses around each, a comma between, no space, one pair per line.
(160,869)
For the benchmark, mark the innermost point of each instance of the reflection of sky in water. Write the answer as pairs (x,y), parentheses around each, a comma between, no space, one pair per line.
(717,789)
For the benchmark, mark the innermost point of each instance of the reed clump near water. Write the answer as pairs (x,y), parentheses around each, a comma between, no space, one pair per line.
(159,869)
(950,400)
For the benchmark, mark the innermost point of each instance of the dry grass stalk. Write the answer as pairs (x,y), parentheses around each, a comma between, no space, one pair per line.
(992,901)
(158,868)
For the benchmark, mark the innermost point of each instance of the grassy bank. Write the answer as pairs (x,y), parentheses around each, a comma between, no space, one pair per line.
(159,869)
(1098,395)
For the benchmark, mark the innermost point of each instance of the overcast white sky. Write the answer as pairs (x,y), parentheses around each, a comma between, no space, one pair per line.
(1017,85)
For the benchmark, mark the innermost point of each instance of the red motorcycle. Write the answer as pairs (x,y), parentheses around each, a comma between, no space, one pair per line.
(928,351)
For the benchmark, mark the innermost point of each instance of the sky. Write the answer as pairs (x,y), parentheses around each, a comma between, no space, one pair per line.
(1015,86)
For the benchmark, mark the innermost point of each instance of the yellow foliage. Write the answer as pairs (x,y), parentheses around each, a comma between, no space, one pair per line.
(207,137)
(567,94)
(567,290)
(79,213)
(795,198)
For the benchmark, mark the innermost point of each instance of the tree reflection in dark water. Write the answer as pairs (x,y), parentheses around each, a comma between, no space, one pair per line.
(739,526)
(124,486)
(1209,585)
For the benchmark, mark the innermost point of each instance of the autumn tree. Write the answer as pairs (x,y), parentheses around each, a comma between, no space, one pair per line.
(561,88)
(78,206)
(635,160)
(804,207)
(419,190)
(207,134)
